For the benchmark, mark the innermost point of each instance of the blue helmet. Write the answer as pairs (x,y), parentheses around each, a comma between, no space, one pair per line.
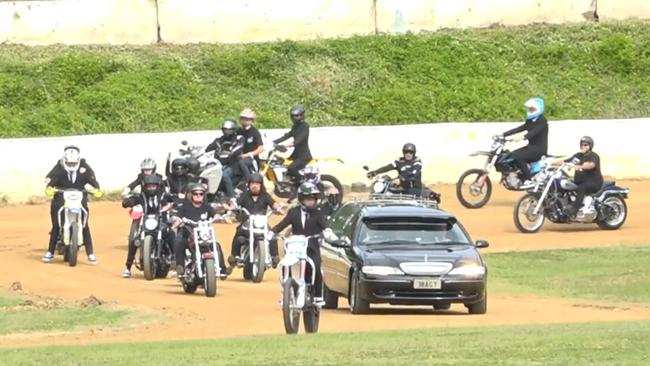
(538,104)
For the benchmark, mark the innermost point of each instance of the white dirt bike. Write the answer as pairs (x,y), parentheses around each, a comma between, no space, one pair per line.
(297,291)
(75,219)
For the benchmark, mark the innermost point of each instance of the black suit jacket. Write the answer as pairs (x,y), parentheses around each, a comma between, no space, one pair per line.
(314,225)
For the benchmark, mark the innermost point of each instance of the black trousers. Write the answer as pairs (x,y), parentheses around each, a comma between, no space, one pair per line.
(180,243)
(241,238)
(524,156)
(313,252)
(56,230)
(294,168)
(587,187)
(167,237)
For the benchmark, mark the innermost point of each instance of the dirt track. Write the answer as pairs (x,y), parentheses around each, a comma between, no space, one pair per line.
(242,308)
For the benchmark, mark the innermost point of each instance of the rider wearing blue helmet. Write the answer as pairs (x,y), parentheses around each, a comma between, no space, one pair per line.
(536,126)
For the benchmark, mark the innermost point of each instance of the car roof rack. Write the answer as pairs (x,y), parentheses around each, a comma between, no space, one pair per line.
(400,198)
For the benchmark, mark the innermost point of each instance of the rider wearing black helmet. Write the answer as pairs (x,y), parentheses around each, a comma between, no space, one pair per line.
(307,219)
(587,172)
(153,199)
(227,149)
(178,177)
(256,201)
(409,168)
(301,154)
(195,208)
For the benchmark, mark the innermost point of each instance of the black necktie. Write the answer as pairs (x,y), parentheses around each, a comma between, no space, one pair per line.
(70,177)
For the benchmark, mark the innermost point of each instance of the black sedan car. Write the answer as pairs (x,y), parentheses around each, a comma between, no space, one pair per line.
(402,252)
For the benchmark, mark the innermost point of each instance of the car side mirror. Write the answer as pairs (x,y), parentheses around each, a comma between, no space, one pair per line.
(343,242)
(184,142)
(365,167)
(482,244)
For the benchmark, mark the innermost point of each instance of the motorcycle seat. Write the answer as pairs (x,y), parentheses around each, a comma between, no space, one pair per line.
(604,187)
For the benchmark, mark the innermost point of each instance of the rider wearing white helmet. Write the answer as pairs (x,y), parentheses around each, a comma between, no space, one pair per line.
(71,171)
(253,144)
(536,126)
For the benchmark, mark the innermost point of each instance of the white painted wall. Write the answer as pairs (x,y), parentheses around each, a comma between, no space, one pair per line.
(443,147)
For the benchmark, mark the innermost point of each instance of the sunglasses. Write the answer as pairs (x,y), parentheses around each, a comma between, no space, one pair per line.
(408,152)
(197,193)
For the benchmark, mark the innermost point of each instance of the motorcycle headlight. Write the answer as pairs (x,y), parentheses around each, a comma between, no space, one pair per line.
(378,187)
(151,224)
(259,222)
(381,270)
(205,235)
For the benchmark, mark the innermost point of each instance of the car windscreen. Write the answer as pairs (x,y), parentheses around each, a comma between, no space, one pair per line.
(411,230)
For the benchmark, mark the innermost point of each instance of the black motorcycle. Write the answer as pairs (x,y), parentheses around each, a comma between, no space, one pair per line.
(474,186)
(554,192)
(154,242)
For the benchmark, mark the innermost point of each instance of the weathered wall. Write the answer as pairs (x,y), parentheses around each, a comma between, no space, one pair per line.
(444,149)
(242,21)
(193,21)
(78,22)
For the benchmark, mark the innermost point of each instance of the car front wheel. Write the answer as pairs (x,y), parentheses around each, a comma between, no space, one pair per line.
(357,304)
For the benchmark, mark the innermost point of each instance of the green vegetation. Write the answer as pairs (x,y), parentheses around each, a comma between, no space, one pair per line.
(617,274)
(577,345)
(591,70)
(18,315)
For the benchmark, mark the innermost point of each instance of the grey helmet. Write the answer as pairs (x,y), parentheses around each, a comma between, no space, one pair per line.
(229,127)
(148,164)
(587,140)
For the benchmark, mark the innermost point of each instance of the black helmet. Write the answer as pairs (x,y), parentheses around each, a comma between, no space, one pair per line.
(587,140)
(180,167)
(256,178)
(308,190)
(151,184)
(408,147)
(297,114)
(229,127)
(193,165)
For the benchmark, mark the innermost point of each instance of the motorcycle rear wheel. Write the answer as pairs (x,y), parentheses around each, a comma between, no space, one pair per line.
(311,319)
(618,203)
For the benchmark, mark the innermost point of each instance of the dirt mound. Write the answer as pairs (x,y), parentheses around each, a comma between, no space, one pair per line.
(90,301)
(16,287)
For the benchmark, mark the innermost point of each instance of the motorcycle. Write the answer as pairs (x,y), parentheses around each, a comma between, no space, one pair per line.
(274,168)
(155,250)
(204,167)
(201,260)
(75,219)
(552,194)
(298,295)
(475,192)
(383,185)
(255,257)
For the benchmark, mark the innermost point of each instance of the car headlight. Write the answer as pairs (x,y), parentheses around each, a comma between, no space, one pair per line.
(468,270)
(381,270)
(151,224)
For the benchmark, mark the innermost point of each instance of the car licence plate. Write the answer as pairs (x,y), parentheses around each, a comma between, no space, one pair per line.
(430,283)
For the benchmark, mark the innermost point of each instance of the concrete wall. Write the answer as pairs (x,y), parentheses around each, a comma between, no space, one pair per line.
(78,22)
(242,21)
(444,149)
(236,21)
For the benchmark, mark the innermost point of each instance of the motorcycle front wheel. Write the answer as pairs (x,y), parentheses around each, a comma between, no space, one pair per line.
(148,263)
(470,192)
(525,220)
(73,248)
(290,312)
(259,264)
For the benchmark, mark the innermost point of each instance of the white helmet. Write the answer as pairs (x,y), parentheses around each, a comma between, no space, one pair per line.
(71,158)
